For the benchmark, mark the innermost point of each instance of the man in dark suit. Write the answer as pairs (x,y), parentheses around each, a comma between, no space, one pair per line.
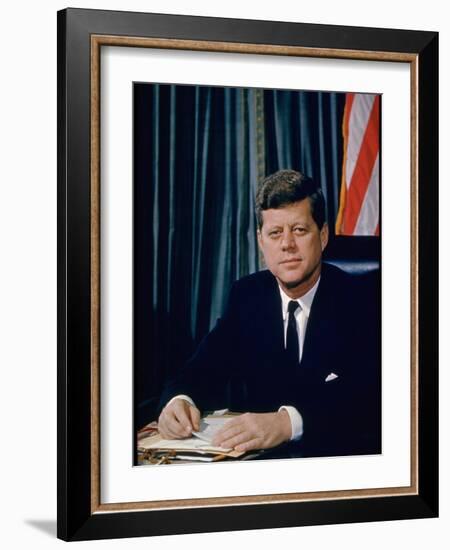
(298,347)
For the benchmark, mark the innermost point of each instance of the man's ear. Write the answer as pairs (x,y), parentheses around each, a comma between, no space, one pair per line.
(258,234)
(324,232)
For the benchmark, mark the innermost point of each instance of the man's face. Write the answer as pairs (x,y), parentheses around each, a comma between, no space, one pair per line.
(292,245)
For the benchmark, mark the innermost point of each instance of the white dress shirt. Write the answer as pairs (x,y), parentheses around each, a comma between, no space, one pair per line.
(301,316)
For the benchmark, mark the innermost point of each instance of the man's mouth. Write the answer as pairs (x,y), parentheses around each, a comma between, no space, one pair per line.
(291,261)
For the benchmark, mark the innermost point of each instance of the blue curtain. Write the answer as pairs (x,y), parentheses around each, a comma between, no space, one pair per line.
(199,153)
(304,132)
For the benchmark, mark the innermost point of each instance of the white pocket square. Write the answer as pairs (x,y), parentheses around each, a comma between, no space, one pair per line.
(331,376)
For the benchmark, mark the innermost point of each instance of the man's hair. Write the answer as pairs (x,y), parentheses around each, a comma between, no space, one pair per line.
(286,187)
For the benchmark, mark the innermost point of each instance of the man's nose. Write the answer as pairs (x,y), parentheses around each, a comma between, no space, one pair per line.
(288,241)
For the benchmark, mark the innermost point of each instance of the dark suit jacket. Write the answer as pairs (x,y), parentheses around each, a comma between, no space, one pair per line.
(242,364)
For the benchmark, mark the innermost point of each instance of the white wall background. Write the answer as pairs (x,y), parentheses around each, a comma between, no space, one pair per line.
(28,272)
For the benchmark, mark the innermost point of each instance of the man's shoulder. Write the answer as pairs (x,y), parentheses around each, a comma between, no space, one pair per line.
(361,289)
(333,279)
(259,279)
(256,285)
(336,275)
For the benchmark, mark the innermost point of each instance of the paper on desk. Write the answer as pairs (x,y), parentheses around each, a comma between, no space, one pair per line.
(191,443)
(209,426)
(201,440)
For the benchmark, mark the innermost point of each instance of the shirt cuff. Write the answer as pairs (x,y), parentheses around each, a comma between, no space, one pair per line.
(181,396)
(296,421)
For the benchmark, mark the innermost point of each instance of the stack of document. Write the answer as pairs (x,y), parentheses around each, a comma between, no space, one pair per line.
(197,448)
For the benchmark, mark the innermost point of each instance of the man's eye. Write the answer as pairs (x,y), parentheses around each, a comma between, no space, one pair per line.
(274,233)
(299,230)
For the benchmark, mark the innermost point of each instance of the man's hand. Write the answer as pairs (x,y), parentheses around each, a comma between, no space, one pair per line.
(178,419)
(255,431)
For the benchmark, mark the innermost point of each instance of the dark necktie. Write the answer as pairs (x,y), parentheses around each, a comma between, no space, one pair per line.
(292,335)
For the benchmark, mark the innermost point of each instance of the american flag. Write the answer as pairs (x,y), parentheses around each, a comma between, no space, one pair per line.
(359,197)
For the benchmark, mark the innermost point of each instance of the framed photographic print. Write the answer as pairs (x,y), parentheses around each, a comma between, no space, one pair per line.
(247,270)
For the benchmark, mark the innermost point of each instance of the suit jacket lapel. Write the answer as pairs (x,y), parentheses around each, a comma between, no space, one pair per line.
(269,317)
(321,329)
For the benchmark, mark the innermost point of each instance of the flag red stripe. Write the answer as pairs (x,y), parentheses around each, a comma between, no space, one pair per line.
(345,131)
(348,109)
(363,169)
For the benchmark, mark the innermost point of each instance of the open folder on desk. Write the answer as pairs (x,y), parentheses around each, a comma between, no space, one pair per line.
(196,448)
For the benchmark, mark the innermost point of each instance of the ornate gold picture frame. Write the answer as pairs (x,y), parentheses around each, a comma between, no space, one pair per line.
(82,514)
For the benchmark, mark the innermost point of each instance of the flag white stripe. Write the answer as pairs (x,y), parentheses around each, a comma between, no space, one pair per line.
(368,215)
(358,120)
